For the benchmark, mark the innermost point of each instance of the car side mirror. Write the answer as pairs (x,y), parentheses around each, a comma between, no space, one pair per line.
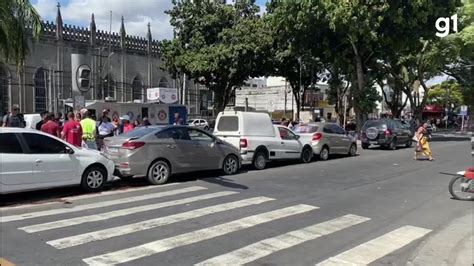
(218,141)
(297,137)
(68,150)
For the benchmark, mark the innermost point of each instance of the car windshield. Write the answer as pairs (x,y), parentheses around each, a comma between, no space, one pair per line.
(190,121)
(228,123)
(305,129)
(141,131)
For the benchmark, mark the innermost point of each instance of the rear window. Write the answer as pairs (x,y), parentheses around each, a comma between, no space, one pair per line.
(375,123)
(305,129)
(228,123)
(140,132)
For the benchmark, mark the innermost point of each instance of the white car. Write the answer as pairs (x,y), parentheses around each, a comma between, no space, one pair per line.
(258,139)
(33,160)
(199,123)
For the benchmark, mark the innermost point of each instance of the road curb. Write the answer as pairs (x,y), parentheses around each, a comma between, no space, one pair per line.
(451,245)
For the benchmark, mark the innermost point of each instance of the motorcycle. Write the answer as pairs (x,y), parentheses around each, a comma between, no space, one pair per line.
(461,185)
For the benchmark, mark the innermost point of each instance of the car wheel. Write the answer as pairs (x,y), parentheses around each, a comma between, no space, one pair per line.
(365,146)
(409,144)
(230,165)
(93,179)
(392,145)
(159,173)
(307,155)
(324,154)
(353,150)
(260,161)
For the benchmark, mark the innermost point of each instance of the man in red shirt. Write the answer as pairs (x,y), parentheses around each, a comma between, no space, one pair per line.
(72,131)
(50,126)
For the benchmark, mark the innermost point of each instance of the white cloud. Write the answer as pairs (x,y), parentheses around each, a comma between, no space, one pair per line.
(136,13)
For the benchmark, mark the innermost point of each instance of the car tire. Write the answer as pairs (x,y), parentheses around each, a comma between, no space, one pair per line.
(365,146)
(409,144)
(324,154)
(392,145)
(159,172)
(259,161)
(94,178)
(353,150)
(306,155)
(230,166)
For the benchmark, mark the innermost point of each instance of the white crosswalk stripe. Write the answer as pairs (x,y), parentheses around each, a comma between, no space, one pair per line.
(377,248)
(101,204)
(119,213)
(159,246)
(271,245)
(153,223)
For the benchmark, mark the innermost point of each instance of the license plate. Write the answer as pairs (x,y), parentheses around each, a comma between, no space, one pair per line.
(114,150)
(373,142)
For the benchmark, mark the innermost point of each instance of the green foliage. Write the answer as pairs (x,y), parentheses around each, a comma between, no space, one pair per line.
(18,19)
(446,93)
(220,46)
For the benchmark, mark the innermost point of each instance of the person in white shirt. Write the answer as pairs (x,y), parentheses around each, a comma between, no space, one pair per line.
(105,129)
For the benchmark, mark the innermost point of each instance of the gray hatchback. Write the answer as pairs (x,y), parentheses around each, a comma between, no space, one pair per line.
(157,152)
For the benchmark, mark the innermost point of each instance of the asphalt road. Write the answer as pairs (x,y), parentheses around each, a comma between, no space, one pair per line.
(377,208)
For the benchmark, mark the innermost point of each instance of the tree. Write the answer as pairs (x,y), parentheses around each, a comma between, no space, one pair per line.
(295,28)
(18,19)
(218,45)
(446,94)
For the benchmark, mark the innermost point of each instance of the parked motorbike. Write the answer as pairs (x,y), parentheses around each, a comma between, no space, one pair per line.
(461,185)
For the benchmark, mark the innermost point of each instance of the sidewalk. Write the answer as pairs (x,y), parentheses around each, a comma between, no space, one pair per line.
(451,245)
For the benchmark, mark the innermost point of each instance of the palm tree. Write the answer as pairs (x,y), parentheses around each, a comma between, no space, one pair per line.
(18,19)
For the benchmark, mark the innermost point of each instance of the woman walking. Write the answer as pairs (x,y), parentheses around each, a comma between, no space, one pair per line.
(422,147)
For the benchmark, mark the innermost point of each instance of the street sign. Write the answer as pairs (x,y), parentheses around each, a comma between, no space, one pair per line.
(463,111)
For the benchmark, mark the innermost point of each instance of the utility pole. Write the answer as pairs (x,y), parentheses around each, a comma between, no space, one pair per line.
(246,104)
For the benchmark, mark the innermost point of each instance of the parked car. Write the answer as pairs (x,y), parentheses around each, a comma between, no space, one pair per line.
(326,139)
(258,140)
(157,152)
(33,160)
(199,123)
(387,133)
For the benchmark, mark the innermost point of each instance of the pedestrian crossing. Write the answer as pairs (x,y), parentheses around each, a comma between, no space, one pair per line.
(250,213)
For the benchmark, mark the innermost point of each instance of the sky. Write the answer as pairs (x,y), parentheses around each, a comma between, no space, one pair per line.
(136,13)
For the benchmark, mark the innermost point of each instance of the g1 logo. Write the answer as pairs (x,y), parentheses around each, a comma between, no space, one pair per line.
(443,25)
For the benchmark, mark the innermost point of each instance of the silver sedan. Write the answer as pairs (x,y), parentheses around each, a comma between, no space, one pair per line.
(157,152)
(326,139)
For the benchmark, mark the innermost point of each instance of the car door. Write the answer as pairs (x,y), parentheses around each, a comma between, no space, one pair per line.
(207,154)
(344,141)
(15,166)
(51,162)
(400,132)
(330,139)
(177,148)
(291,146)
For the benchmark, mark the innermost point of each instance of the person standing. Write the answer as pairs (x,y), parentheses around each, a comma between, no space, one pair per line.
(14,118)
(50,126)
(42,121)
(88,126)
(105,129)
(127,126)
(72,131)
(177,119)
(422,146)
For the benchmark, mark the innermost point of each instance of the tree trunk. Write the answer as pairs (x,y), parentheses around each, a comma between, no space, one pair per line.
(360,117)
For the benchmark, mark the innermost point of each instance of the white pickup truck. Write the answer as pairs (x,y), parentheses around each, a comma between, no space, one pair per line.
(258,139)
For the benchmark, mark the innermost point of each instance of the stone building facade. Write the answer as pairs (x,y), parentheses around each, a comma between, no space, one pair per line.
(123,67)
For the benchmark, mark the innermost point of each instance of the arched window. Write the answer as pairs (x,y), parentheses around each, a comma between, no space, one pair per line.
(4,95)
(137,87)
(163,83)
(41,79)
(108,87)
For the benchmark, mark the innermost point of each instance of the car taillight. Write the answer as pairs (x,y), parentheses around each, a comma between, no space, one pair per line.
(317,136)
(388,133)
(132,145)
(243,143)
